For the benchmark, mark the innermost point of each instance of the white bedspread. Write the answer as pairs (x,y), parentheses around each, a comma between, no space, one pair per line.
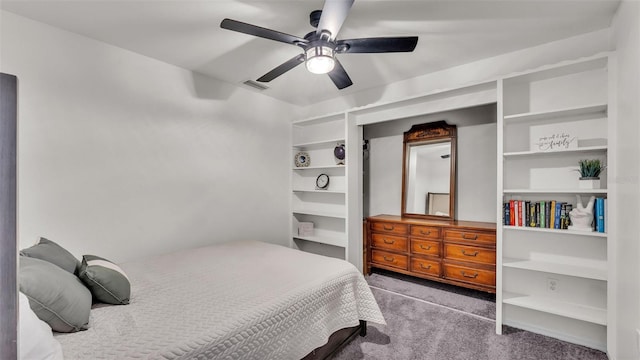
(240,300)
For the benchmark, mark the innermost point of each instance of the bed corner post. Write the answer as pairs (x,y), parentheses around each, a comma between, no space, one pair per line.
(363,328)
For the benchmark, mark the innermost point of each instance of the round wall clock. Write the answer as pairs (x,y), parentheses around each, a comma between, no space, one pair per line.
(322,182)
(302,159)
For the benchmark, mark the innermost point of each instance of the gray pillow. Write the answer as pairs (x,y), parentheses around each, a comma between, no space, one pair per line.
(107,282)
(48,250)
(55,296)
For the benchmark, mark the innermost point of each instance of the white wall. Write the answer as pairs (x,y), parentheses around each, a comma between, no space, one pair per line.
(123,156)
(626,38)
(479,71)
(476,168)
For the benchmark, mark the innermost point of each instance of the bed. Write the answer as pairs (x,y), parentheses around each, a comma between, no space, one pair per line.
(237,300)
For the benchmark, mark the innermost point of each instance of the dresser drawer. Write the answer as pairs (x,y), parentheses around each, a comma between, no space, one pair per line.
(428,232)
(389,259)
(391,242)
(470,237)
(391,228)
(469,253)
(427,267)
(425,247)
(476,276)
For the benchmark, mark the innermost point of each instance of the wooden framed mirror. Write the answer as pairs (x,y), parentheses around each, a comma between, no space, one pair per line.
(429,171)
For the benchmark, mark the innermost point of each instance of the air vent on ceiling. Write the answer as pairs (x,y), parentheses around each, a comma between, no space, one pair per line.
(255,85)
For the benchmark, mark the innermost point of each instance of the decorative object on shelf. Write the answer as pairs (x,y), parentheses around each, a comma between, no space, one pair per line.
(582,216)
(339,153)
(322,182)
(302,159)
(590,173)
(552,137)
(305,229)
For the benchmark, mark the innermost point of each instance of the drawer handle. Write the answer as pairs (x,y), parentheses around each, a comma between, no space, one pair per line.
(475,253)
(469,276)
(388,228)
(470,237)
(388,241)
(423,267)
(425,248)
(389,259)
(425,233)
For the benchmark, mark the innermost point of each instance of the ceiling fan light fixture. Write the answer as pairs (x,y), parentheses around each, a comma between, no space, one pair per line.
(319,59)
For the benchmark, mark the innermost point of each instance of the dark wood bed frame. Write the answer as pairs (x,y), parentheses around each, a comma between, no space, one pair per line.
(336,341)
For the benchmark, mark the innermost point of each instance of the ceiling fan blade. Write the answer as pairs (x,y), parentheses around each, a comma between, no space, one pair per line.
(286,66)
(377,45)
(334,13)
(260,32)
(339,76)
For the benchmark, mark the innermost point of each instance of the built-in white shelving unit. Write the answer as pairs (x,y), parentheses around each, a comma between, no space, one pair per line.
(325,208)
(553,281)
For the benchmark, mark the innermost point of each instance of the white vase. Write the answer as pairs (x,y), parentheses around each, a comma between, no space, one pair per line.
(589,183)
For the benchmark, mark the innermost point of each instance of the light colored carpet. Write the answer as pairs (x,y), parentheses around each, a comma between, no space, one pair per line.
(417,329)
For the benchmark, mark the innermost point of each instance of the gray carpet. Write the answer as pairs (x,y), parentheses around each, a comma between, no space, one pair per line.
(417,329)
(471,301)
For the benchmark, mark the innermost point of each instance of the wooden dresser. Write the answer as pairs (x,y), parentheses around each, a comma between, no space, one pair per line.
(461,253)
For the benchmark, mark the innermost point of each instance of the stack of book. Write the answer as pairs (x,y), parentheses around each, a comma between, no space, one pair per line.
(549,214)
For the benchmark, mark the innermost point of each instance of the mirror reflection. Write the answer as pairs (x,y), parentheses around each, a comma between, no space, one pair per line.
(429,172)
(428,178)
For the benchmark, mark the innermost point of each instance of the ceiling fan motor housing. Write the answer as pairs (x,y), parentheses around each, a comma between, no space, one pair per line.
(314,18)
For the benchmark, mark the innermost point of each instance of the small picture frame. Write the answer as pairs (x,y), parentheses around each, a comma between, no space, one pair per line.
(305,229)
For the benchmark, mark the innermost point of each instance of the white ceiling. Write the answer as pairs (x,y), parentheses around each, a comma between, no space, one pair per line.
(187,34)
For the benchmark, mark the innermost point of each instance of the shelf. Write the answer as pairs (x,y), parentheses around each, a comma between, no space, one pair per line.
(320,191)
(587,272)
(556,231)
(320,213)
(560,113)
(563,308)
(338,116)
(555,191)
(558,152)
(340,242)
(318,144)
(319,167)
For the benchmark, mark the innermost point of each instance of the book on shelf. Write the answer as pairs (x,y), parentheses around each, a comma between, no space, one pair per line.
(557,214)
(512,211)
(599,215)
(532,215)
(547,215)
(506,214)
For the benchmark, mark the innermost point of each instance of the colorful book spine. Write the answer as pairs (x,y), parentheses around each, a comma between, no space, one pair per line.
(519,213)
(506,214)
(552,213)
(557,214)
(568,220)
(532,215)
(599,213)
(542,215)
(512,212)
(547,215)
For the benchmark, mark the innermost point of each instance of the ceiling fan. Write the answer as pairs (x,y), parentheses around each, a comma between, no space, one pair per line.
(321,46)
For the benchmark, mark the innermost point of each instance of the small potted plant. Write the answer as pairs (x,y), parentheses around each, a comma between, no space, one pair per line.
(590,173)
